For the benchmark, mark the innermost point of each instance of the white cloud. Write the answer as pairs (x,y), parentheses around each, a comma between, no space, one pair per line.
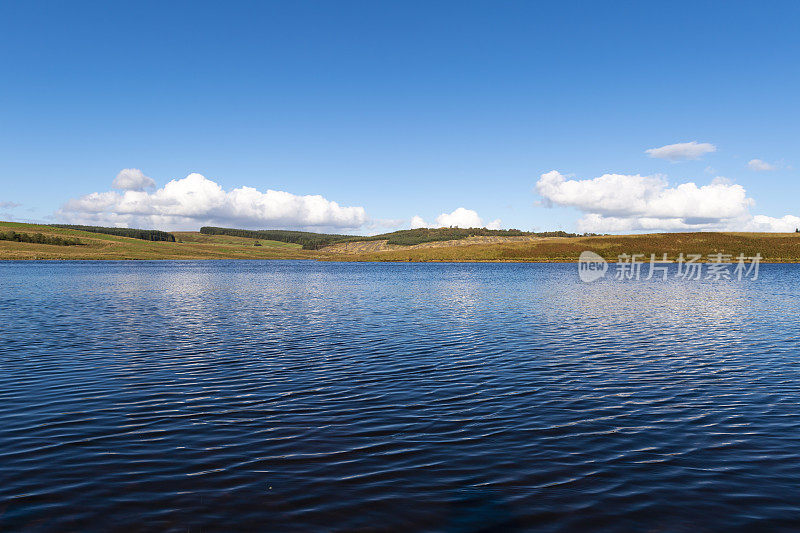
(194,201)
(785,224)
(494,224)
(619,202)
(635,195)
(682,151)
(760,166)
(460,218)
(9,205)
(132,179)
(418,222)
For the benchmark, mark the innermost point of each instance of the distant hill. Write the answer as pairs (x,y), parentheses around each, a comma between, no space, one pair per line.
(409,237)
(309,240)
(39,241)
(58,243)
(143,234)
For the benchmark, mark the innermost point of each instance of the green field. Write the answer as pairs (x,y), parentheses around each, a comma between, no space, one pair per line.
(188,245)
(773,247)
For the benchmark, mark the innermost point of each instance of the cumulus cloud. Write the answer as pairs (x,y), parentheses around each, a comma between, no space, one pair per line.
(9,205)
(418,222)
(619,202)
(785,224)
(760,166)
(195,201)
(132,179)
(460,218)
(682,151)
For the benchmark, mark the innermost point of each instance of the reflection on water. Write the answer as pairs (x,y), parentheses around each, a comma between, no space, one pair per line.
(452,397)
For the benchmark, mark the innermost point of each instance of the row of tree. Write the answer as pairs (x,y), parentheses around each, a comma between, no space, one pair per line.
(309,240)
(38,238)
(143,234)
(313,241)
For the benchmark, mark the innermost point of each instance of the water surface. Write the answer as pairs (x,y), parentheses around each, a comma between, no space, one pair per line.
(297,396)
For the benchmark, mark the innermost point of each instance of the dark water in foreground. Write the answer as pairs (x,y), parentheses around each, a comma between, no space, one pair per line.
(193,396)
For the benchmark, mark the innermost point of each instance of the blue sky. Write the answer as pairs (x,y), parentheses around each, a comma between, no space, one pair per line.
(394,110)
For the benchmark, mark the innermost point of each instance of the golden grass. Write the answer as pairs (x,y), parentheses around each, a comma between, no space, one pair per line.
(773,247)
(99,246)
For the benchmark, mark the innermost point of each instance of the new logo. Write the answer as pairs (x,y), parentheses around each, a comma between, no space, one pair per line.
(591,267)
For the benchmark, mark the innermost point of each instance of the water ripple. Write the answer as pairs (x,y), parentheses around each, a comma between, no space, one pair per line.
(293,396)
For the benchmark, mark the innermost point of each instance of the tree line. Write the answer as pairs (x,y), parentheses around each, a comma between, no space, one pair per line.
(409,237)
(309,240)
(143,234)
(38,238)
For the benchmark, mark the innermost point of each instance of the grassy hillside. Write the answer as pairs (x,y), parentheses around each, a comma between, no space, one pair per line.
(773,247)
(144,234)
(411,237)
(306,239)
(408,237)
(188,245)
(197,237)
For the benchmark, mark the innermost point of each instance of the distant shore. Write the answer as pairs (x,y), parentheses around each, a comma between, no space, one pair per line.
(772,247)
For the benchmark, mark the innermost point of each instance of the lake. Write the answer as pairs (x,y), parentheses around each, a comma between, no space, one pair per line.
(300,396)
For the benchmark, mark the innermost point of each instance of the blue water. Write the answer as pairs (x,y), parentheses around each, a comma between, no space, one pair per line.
(301,396)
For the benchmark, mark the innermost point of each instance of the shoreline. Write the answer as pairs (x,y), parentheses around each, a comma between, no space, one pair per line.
(320,260)
(194,246)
